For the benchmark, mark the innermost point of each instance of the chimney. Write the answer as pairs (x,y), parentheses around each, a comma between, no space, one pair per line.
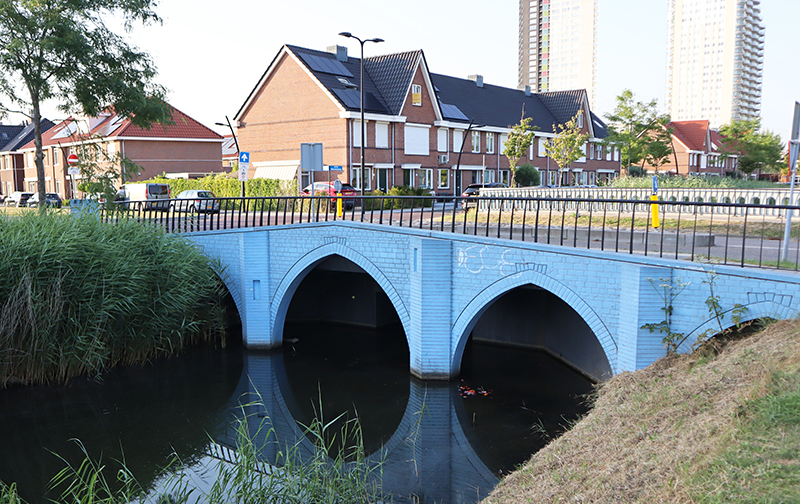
(477,78)
(339,51)
(527,90)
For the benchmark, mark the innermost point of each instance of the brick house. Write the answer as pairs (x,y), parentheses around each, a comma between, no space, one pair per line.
(12,166)
(697,150)
(183,149)
(416,122)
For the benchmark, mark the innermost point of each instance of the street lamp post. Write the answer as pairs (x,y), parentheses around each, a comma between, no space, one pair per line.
(235,141)
(456,182)
(361,89)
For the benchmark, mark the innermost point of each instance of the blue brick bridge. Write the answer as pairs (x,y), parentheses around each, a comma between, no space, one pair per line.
(583,306)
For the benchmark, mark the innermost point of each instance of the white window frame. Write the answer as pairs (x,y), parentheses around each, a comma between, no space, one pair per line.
(540,147)
(476,142)
(355,178)
(446,173)
(416,89)
(426,178)
(357,133)
(55,156)
(489,142)
(582,159)
(416,139)
(505,177)
(382,135)
(442,137)
(458,140)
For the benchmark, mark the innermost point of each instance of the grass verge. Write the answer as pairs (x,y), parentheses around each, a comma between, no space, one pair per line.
(702,427)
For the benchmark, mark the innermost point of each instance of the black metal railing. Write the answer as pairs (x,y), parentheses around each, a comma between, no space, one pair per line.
(729,233)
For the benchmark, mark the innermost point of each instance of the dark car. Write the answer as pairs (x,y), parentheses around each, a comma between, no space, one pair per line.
(473,190)
(50,199)
(348,192)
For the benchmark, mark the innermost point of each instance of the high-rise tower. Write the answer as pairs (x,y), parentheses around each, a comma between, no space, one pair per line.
(558,45)
(715,57)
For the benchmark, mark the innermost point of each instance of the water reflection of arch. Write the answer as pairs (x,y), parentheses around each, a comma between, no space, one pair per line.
(470,315)
(428,454)
(295,275)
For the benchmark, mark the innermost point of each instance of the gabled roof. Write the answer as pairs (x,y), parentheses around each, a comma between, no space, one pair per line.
(489,105)
(111,125)
(342,79)
(25,135)
(392,75)
(8,132)
(692,134)
(387,80)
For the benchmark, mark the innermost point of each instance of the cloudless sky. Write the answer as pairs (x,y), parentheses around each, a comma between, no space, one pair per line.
(210,54)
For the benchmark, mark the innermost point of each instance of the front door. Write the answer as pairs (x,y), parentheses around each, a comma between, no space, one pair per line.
(383,179)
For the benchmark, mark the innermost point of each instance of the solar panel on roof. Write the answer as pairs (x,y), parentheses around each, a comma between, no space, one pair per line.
(453,112)
(325,65)
(352,99)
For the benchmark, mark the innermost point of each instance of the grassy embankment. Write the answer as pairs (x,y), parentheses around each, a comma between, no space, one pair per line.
(707,428)
(80,296)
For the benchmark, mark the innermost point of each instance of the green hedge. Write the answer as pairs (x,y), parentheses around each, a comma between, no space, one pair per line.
(80,296)
(694,182)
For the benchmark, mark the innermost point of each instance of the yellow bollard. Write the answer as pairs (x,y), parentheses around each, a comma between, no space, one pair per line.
(339,204)
(654,210)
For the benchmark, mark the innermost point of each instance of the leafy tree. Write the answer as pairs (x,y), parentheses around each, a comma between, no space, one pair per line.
(634,127)
(63,50)
(528,176)
(567,146)
(518,143)
(658,150)
(757,150)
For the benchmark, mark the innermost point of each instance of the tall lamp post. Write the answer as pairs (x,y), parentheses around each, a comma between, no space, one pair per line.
(235,141)
(361,89)
(456,182)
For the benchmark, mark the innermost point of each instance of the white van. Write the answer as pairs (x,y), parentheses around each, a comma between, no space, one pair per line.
(146,193)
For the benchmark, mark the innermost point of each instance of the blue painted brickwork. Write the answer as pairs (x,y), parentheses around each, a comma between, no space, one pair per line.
(440,284)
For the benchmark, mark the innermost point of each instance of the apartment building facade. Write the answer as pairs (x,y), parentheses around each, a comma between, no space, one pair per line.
(715,58)
(558,45)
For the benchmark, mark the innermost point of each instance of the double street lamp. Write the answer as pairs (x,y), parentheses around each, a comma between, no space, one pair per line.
(361,89)
(235,141)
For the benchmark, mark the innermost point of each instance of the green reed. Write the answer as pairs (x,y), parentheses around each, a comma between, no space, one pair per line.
(81,296)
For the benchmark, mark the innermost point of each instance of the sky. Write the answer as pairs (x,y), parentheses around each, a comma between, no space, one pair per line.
(210,54)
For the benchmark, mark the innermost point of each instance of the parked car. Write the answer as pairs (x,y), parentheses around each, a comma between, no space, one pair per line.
(18,198)
(152,196)
(196,200)
(50,200)
(348,192)
(473,190)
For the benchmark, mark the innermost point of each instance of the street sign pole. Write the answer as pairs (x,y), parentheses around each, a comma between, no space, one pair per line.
(794,147)
(653,206)
(244,169)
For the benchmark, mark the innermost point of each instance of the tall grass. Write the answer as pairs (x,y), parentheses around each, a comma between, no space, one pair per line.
(81,296)
(293,474)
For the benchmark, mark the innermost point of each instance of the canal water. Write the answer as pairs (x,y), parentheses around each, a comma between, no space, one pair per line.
(439,442)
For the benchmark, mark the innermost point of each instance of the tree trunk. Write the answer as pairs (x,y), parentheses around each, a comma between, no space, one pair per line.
(36,117)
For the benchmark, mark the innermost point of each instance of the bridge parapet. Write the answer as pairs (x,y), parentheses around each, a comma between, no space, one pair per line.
(441,284)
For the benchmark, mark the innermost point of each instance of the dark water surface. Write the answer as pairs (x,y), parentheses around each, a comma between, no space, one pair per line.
(444,442)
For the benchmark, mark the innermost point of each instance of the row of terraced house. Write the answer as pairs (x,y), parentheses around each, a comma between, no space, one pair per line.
(422,130)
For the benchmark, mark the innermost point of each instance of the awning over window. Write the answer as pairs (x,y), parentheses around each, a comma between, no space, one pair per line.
(286,170)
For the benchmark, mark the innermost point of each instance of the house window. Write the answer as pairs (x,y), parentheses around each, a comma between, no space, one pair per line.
(55,156)
(357,134)
(488,176)
(382,135)
(490,143)
(609,153)
(408,178)
(355,179)
(582,159)
(579,120)
(542,152)
(442,137)
(504,176)
(503,140)
(616,154)
(426,178)
(598,152)
(476,141)
(111,149)
(444,178)
(416,95)
(416,140)
(458,140)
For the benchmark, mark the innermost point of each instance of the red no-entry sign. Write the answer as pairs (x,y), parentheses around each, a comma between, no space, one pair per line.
(72,159)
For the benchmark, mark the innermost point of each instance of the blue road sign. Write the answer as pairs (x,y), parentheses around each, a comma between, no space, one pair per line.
(244,157)
(655,184)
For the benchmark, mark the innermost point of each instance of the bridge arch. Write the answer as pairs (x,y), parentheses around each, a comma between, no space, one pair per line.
(758,310)
(295,275)
(469,316)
